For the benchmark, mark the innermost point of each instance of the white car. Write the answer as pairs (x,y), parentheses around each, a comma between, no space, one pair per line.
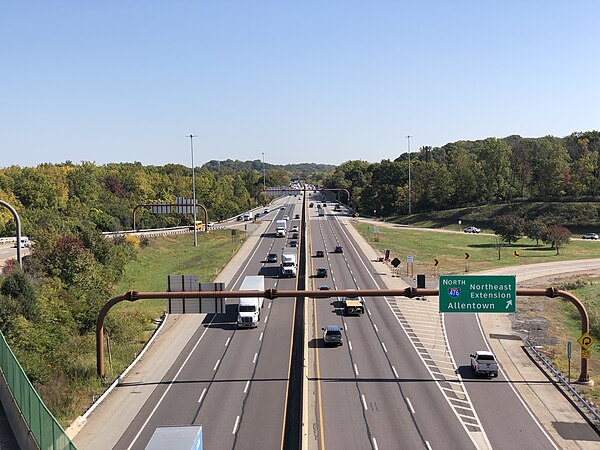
(286,217)
(593,236)
(295,229)
(472,230)
(211,224)
(267,210)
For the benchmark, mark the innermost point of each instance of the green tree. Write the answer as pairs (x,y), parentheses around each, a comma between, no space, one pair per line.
(509,227)
(494,155)
(557,236)
(18,287)
(535,229)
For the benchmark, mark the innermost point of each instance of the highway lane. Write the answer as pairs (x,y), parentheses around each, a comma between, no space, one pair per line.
(388,387)
(231,381)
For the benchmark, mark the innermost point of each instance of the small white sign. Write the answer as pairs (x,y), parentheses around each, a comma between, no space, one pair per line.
(410,259)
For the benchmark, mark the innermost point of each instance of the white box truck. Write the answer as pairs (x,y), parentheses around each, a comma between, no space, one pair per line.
(289,264)
(249,307)
(248,216)
(281,227)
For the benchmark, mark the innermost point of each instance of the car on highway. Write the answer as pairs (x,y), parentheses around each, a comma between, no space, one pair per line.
(294,235)
(338,249)
(311,205)
(593,236)
(294,228)
(211,224)
(272,257)
(320,254)
(293,243)
(324,287)
(484,363)
(472,230)
(297,216)
(332,335)
(257,215)
(239,218)
(286,217)
(267,210)
(321,272)
(283,208)
(353,306)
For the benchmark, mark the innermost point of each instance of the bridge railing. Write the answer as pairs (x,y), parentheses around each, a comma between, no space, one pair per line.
(43,426)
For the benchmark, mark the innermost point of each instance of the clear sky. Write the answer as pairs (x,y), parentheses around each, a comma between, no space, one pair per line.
(302,81)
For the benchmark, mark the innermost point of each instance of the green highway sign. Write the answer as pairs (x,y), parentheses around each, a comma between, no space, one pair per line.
(478,293)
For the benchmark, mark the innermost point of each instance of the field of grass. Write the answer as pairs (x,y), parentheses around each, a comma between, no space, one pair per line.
(449,249)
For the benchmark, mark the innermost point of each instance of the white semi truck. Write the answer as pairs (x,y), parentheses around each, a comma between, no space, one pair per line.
(289,264)
(281,227)
(248,216)
(249,307)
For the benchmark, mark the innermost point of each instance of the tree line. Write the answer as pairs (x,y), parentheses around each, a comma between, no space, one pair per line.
(467,173)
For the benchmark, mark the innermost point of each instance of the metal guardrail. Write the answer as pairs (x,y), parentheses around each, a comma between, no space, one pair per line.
(560,377)
(43,426)
(151,232)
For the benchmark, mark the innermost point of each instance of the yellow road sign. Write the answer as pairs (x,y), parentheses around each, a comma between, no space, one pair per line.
(467,256)
(516,253)
(586,341)
(435,262)
(585,353)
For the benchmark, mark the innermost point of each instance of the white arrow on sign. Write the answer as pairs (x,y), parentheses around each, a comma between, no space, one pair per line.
(508,304)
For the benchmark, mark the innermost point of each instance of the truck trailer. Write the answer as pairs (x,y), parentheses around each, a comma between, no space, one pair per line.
(249,307)
(289,264)
(281,227)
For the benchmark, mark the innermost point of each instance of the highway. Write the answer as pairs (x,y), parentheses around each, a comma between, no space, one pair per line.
(378,387)
(231,381)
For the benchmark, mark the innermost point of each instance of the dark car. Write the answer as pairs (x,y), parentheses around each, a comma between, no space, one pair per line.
(332,335)
(321,272)
(297,216)
(272,257)
(239,218)
(338,249)
(257,215)
(311,205)
(320,254)
(324,288)
(293,243)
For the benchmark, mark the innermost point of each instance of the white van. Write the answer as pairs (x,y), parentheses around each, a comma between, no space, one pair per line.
(24,242)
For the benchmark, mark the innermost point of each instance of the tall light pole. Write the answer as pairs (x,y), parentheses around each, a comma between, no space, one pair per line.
(191,136)
(264,179)
(409,196)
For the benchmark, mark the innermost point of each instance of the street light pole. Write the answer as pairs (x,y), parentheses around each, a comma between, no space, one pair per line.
(264,179)
(409,196)
(191,136)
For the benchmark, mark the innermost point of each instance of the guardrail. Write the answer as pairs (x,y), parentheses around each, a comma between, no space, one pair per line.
(561,378)
(149,232)
(6,240)
(43,426)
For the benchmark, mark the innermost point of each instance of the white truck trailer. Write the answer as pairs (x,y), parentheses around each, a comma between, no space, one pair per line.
(281,227)
(249,307)
(289,264)
(248,216)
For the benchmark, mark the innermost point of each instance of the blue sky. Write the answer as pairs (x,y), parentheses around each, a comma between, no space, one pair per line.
(302,81)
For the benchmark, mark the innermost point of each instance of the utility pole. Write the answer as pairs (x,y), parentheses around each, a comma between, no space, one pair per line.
(264,182)
(191,136)
(409,196)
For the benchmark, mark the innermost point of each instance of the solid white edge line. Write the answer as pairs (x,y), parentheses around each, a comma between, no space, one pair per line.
(237,421)
(216,365)
(515,391)
(410,406)
(247,385)
(169,386)
(202,395)
(364,402)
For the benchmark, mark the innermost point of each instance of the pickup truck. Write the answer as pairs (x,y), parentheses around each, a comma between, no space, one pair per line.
(484,363)
(353,306)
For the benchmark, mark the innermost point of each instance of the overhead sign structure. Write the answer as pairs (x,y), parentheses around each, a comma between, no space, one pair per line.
(586,341)
(478,293)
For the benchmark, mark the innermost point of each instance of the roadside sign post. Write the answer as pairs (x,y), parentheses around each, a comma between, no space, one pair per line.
(569,359)
(467,256)
(478,293)
(410,259)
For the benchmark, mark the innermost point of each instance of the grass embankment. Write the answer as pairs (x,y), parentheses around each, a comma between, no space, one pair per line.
(163,256)
(564,323)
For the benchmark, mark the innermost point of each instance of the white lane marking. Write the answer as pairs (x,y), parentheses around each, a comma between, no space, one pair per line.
(260,337)
(202,395)
(376,329)
(227,341)
(254,360)
(428,445)
(345,326)
(375,444)
(269,307)
(410,406)
(395,373)
(350,345)
(169,387)
(368,311)
(384,348)
(266,318)
(235,426)
(216,365)
(364,402)
(247,385)
(355,370)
